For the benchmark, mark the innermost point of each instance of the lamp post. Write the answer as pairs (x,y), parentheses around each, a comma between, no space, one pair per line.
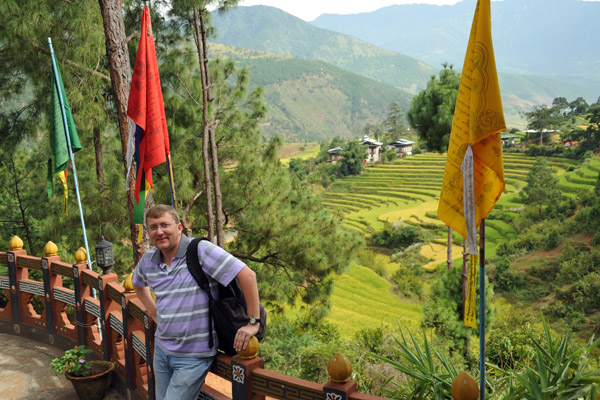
(104,256)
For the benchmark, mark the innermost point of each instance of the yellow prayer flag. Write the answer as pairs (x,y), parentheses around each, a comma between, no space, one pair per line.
(63,178)
(470,304)
(478,121)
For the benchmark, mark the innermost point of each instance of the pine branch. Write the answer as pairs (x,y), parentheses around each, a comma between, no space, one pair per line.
(100,75)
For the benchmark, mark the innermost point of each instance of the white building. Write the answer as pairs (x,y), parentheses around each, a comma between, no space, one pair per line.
(373,149)
(402,147)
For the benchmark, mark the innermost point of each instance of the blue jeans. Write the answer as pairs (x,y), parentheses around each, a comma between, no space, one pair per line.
(179,378)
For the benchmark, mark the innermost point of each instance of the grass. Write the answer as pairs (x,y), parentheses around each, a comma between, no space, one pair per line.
(361,299)
(303,151)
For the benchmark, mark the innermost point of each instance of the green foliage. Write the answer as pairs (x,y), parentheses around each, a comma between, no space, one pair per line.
(444,310)
(541,188)
(300,350)
(543,118)
(432,110)
(557,372)
(73,362)
(512,347)
(506,279)
(397,237)
(431,371)
(409,281)
(354,156)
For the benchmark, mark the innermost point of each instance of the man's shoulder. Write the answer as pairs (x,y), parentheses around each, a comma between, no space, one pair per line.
(150,256)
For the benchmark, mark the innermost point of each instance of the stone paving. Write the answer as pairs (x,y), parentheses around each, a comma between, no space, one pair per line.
(25,372)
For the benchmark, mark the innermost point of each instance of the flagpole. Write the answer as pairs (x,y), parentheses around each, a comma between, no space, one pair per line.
(169,166)
(64,117)
(482,310)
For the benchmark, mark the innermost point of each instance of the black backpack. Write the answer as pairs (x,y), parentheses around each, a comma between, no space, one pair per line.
(229,311)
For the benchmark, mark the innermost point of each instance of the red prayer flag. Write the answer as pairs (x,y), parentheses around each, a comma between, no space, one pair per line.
(146,107)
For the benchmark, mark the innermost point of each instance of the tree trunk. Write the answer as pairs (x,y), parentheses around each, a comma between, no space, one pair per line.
(98,150)
(206,126)
(120,76)
(21,207)
(213,144)
(449,260)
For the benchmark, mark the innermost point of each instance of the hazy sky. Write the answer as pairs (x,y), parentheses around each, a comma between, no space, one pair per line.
(308,10)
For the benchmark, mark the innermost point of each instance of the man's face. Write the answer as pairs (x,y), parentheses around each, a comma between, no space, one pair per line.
(164,232)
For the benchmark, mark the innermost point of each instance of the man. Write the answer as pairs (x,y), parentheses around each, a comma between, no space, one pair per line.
(182,356)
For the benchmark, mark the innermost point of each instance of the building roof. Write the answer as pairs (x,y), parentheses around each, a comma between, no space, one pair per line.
(335,150)
(370,142)
(401,142)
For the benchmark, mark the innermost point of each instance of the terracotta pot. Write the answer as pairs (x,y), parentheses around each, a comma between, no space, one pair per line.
(93,386)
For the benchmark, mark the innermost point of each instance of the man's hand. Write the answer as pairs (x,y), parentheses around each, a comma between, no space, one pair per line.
(243,335)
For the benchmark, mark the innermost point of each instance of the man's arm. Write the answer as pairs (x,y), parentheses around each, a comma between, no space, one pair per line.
(247,279)
(143,293)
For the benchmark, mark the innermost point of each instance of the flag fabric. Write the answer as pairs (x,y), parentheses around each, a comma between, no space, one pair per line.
(147,111)
(478,122)
(59,148)
(470,317)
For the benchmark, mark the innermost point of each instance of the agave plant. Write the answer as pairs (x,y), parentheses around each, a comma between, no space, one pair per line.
(555,374)
(431,376)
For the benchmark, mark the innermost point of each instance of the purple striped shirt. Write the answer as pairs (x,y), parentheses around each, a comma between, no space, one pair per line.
(182,326)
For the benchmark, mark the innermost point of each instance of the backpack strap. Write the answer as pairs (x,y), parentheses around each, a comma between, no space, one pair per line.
(193,264)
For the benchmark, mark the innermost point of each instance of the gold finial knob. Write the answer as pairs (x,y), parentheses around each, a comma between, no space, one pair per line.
(15,243)
(251,350)
(81,256)
(50,249)
(128,284)
(464,387)
(339,368)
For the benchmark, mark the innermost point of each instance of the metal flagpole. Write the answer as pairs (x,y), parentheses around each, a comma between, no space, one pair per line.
(169,166)
(482,310)
(64,117)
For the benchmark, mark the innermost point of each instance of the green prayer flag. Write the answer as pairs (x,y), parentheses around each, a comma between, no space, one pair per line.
(58,136)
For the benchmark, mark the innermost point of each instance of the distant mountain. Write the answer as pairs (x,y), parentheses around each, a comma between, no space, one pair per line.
(557,38)
(272,30)
(281,52)
(313,100)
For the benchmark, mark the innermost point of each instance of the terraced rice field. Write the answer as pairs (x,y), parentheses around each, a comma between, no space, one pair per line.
(408,190)
(363,299)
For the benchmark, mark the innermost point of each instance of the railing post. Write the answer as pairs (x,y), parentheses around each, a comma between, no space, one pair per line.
(241,372)
(16,247)
(51,251)
(339,387)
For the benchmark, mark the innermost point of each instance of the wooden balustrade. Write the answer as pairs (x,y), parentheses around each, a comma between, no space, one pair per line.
(114,324)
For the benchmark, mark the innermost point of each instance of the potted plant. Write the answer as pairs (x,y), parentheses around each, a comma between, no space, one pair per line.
(90,379)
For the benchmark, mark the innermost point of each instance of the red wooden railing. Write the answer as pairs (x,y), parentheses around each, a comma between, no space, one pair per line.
(114,324)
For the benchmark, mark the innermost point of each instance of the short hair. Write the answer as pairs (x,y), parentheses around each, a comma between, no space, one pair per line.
(159,210)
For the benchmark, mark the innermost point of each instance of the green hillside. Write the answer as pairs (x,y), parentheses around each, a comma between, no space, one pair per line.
(270,29)
(313,100)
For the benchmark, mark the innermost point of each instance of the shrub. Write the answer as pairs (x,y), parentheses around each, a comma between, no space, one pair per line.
(397,237)
(408,281)
(551,240)
(558,372)
(505,278)
(508,348)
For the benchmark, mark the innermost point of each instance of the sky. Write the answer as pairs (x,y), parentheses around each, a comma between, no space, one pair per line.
(309,10)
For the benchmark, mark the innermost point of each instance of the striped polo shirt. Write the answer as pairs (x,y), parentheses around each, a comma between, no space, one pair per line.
(182,326)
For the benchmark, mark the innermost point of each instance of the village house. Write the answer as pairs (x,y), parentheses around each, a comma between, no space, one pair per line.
(334,154)
(402,147)
(373,149)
